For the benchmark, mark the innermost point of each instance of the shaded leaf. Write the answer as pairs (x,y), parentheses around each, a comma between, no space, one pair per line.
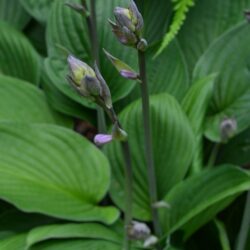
(16,242)
(12,12)
(206,21)
(232,93)
(39,9)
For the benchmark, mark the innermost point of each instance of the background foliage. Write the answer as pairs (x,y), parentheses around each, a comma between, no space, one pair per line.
(58,191)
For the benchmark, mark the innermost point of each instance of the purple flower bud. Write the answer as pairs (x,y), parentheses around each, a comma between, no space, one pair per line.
(102,139)
(129,24)
(150,241)
(138,231)
(125,70)
(228,128)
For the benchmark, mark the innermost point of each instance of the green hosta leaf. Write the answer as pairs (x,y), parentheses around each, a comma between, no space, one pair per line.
(67,28)
(39,9)
(17,56)
(195,104)
(223,237)
(210,190)
(181,8)
(54,171)
(229,56)
(16,242)
(171,133)
(20,101)
(206,21)
(64,231)
(78,244)
(11,11)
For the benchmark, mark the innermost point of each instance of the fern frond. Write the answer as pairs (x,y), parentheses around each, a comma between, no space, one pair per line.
(181,7)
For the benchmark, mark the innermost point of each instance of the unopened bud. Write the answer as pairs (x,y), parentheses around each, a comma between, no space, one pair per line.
(228,128)
(142,45)
(138,231)
(161,204)
(125,70)
(102,139)
(89,83)
(129,24)
(118,133)
(150,241)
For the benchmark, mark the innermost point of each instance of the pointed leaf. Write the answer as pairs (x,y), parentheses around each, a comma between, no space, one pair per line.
(54,171)
(171,133)
(213,190)
(195,104)
(232,92)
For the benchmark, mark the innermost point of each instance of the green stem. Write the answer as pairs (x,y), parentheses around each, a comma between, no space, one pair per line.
(128,192)
(245,225)
(148,143)
(92,27)
(213,156)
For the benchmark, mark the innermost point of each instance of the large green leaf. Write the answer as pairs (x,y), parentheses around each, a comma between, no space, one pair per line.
(78,244)
(195,104)
(17,56)
(23,102)
(11,11)
(64,231)
(16,242)
(39,9)
(206,21)
(68,29)
(54,171)
(229,56)
(172,135)
(210,190)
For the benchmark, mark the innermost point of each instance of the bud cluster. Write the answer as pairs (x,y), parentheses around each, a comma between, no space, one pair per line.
(90,84)
(128,26)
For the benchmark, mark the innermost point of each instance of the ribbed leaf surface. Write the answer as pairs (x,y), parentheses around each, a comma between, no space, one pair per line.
(171,133)
(54,171)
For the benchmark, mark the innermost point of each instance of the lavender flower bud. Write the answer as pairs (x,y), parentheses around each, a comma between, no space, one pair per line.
(228,128)
(125,70)
(138,231)
(129,24)
(102,139)
(89,83)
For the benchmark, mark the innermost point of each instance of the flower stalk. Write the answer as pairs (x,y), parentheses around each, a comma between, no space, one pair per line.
(92,28)
(148,142)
